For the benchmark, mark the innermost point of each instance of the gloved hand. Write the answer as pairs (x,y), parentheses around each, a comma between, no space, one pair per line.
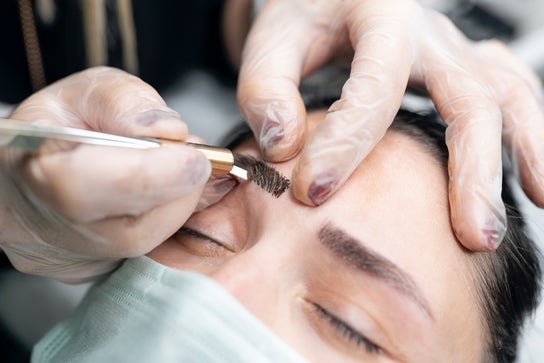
(73,212)
(480,89)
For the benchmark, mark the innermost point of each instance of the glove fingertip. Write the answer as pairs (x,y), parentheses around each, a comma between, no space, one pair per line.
(282,135)
(479,227)
(313,187)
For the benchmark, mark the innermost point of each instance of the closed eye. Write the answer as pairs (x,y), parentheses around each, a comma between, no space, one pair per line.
(347,332)
(206,246)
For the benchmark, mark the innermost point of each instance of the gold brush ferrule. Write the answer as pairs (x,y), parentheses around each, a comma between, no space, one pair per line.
(222,160)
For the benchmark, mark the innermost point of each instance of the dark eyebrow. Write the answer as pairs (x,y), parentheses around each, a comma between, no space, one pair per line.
(263,174)
(357,255)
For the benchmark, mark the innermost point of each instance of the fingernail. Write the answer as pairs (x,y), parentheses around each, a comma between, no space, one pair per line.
(321,188)
(222,184)
(271,133)
(150,117)
(494,232)
(216,188)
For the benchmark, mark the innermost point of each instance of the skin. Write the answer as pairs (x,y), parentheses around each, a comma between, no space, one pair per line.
(270,258)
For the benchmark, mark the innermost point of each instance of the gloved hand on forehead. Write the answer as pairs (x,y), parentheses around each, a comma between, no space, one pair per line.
(74,212)
(480,89)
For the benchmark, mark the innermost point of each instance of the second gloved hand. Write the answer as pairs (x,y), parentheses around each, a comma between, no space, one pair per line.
(480,89)
(74,212)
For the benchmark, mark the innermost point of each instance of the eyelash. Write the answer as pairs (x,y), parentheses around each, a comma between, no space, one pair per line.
(348,332)
(198,235)
(192,232)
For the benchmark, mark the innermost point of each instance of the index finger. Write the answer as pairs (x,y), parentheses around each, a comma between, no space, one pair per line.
(370,99)
(104,99)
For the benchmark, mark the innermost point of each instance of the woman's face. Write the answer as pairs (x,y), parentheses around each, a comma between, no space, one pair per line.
(374,274)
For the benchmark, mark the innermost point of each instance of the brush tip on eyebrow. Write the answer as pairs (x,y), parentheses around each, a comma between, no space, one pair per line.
(262,174)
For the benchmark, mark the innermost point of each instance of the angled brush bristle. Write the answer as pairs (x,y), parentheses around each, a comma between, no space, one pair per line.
(263,174)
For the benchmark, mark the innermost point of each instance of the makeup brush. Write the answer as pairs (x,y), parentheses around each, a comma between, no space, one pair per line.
(222,160)
(243,167)
(262,174)
(29,137)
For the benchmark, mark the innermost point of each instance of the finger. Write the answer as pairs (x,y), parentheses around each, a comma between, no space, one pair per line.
(104,99)
(270,73)
(132,236)
(92,183)
(525,125)
(500,54)
(196,139)
(216,188)
(519,92)
(473,137)
(523,132)
(370,99)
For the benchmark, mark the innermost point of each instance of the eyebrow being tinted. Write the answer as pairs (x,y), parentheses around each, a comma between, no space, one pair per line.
(355,254)
(262,174)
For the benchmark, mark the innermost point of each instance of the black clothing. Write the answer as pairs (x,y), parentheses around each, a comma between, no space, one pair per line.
(172,37)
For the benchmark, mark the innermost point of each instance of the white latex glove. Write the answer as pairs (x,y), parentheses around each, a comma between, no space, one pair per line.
(480,89)
(74,212)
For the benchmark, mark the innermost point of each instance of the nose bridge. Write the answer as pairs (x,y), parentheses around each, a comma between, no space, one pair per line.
(253,277)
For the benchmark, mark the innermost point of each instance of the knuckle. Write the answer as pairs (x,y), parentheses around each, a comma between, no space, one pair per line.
(469,107)
(130,242)
(494,46)
(481,112)
(519,87)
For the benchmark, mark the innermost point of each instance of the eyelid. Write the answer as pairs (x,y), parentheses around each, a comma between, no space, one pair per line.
(194,233)
(337,338)
(347,331)
(225,222)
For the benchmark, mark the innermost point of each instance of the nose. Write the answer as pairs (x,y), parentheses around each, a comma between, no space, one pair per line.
(253,277)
